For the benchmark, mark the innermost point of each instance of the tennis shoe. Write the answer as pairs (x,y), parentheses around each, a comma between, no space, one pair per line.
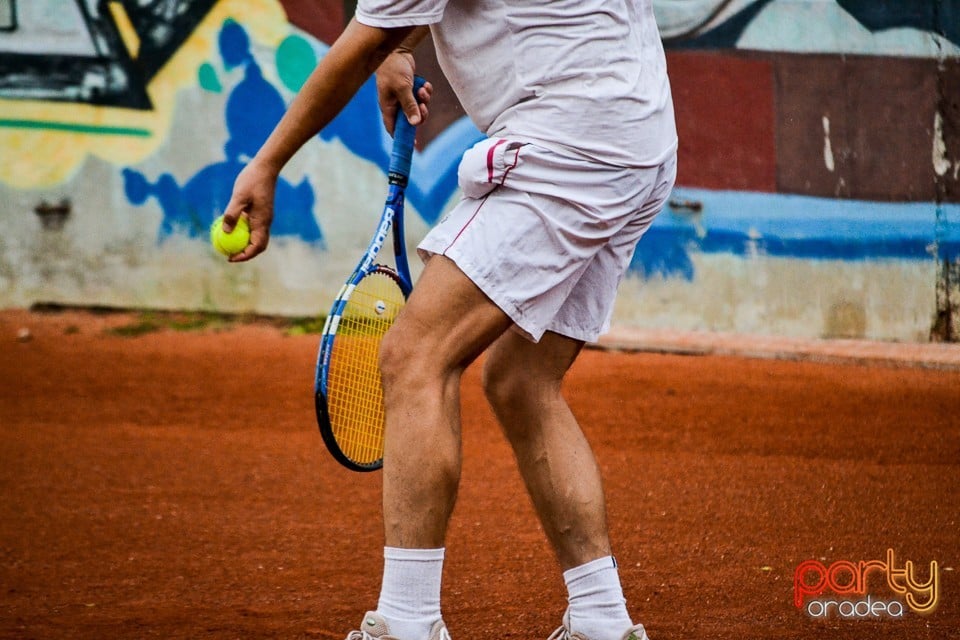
(636,632)
(374,627)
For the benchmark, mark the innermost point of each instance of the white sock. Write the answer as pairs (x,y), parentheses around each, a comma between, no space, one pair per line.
(597,608)
(410,593)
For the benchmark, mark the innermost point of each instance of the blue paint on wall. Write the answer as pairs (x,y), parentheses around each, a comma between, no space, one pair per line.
(253,109)
(190,209)
(935,16)
(787,226)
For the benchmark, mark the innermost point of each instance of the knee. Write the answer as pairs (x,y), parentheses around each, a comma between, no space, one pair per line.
(493,383)
(507,389)
(409,363)
(396,357)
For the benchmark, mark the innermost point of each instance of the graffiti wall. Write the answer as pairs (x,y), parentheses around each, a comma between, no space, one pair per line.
(819,159)
(123,125)
(818,191)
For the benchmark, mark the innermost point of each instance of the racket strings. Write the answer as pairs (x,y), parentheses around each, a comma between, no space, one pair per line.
(354,387)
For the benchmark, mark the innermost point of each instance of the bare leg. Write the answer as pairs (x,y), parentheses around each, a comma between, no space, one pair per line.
(445,325)
(522,380)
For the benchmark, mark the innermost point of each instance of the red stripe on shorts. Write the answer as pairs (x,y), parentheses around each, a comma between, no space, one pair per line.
(466,224)
(516,161)
(490,159)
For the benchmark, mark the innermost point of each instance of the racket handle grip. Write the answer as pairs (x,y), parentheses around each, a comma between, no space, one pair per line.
(403,137)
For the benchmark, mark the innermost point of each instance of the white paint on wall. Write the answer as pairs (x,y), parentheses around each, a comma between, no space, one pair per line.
(827,146)
(941,163)
(48,27)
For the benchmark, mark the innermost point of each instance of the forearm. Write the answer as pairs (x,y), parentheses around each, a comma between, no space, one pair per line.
(415,37)
(351,60)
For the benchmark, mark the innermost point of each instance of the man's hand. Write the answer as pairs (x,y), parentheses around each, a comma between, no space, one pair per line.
(395,87)
(253,194)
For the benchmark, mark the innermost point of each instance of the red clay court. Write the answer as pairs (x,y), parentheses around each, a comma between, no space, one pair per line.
(173,485)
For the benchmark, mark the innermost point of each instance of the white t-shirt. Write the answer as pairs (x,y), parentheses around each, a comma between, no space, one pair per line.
(581,76)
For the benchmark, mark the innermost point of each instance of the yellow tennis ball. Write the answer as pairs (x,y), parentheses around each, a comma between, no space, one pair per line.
(230,243)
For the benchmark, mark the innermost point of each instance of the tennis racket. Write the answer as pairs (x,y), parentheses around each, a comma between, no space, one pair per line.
(348,391)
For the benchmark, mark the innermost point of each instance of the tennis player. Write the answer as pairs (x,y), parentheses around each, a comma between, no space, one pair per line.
(580,156)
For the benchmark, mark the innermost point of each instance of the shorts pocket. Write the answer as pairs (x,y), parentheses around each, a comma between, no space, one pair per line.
(487,165)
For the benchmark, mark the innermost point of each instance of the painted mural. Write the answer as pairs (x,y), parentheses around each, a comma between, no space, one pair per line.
(82,78)
(837,140)
(253,109)
(813,132)
(102,53)
(877,27)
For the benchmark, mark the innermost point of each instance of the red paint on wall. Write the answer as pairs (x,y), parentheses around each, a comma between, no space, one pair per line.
(323,19)
(725,119)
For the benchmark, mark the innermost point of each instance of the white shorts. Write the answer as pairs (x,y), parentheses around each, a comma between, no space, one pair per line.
(548,237)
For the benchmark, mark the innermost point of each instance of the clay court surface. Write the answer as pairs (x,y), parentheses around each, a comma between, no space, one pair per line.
(173,485)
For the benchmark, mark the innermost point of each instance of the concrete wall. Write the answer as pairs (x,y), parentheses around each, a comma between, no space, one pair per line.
(818,191)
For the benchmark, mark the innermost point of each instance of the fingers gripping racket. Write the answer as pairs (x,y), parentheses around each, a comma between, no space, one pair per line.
(348,392)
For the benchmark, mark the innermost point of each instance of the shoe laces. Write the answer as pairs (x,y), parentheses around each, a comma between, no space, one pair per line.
(563,634)
(363,635)
(560,634)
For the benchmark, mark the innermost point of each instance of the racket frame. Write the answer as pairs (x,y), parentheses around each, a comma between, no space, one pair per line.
(391,223)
